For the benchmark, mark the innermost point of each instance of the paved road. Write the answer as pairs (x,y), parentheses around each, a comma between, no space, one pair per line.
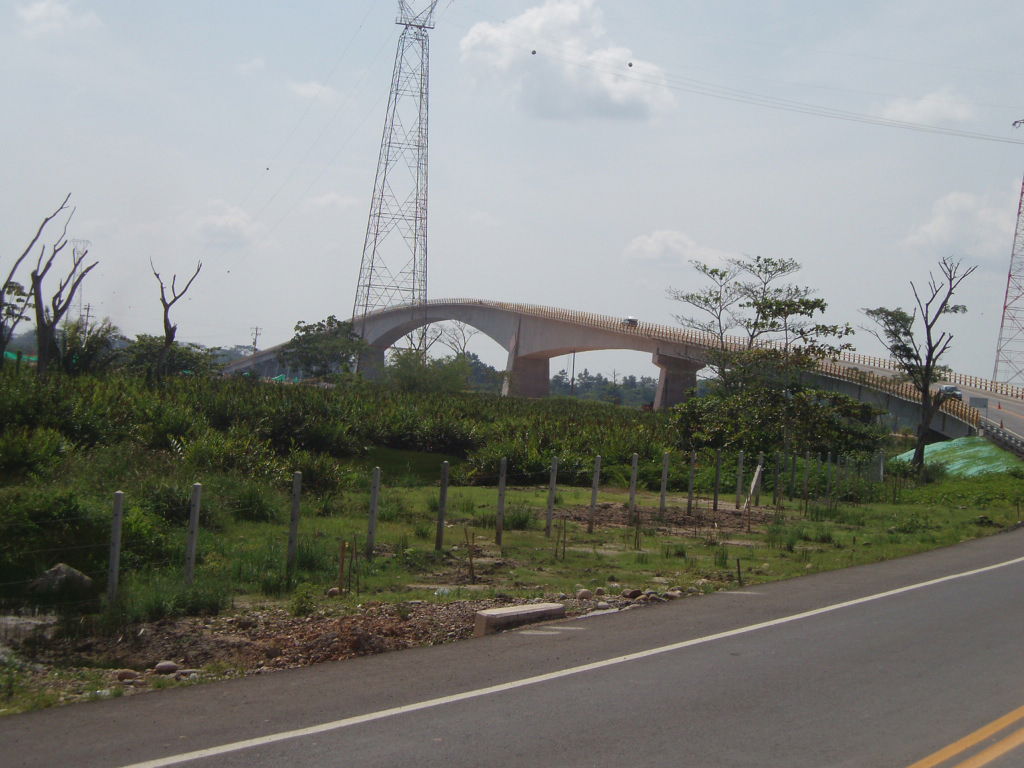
(826,670)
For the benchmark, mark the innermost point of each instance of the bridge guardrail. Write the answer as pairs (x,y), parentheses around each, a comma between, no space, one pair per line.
(1002,437)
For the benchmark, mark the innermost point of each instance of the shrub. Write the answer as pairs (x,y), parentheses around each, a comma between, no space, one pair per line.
(30,450)
(251,503)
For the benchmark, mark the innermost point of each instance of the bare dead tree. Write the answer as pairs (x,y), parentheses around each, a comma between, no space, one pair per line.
(49,315)
(14,299)
(456,335)
(918,353)
(170,329)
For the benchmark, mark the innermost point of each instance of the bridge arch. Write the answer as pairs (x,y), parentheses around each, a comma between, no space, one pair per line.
(531,336)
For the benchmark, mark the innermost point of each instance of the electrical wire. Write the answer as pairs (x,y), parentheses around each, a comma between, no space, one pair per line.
(725,93)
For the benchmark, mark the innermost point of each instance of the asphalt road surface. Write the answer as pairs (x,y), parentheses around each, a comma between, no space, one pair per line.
(885,665)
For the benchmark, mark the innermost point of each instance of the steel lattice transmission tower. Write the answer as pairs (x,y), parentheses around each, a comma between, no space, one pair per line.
(394,265)
(1009,366)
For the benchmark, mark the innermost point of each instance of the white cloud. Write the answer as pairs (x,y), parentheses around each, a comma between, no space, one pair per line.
(939,107)
(670,247)
(316,91)
(251,66)
(45,17)
(225,226)
(965,226)
(334,200)
(574,72)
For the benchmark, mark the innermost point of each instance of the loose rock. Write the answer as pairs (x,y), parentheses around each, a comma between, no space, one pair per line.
(584,594)
(166,668)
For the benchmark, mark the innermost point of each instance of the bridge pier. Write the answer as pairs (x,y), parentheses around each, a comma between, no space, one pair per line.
(527,377)
(371,363)
(677,378)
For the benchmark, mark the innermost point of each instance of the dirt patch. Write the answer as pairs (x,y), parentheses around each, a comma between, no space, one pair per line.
(674,520)
(255,641)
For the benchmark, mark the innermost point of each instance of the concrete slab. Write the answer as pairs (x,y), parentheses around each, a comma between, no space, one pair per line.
(495,619)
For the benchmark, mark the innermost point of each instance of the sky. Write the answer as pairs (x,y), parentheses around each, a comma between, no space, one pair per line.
(641,135)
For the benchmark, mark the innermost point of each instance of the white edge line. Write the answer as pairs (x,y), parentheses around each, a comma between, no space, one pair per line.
(569,671)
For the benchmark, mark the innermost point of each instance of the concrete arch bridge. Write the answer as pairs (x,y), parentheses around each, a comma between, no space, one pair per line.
(531,335)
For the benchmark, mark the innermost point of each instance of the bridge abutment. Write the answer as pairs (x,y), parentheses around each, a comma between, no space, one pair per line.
(677,378)
(371,363)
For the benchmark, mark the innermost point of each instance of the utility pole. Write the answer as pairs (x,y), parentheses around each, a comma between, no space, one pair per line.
(255,337)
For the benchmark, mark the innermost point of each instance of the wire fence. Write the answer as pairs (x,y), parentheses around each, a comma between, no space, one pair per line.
(682,491)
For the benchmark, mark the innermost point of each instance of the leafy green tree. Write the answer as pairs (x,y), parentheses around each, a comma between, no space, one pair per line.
(89,348)
(917,344)
(410,371)
(148,354)
(322,348)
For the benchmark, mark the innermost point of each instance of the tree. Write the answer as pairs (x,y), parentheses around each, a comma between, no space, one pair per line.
(318,349)
(917,355)
(409,371)
(89,348)
(15,300)
(456,335)
(49,315)
(170,329)
(144,355)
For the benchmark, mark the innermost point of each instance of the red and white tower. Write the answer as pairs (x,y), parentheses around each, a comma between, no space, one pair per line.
(1009,366)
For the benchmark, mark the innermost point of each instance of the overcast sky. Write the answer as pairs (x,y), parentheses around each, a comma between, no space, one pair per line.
(245,135)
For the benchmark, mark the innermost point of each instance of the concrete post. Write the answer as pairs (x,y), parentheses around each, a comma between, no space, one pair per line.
(593,490)
(193,534)
(371,531)
(293,528)
(664,482)
(718,478)
(739,479)
(632,484)
(689,484)
(499,519)
(114,563)
(442,507)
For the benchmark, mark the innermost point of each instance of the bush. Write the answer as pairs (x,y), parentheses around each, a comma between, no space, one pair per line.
(251,503)
(30,450)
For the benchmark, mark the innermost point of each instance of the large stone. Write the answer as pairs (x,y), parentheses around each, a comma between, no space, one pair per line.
(63,583)
(632,594)
(166,667)
(584,594)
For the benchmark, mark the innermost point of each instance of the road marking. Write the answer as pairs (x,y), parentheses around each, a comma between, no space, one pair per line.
(972,740)
(382,714)
(538,632)
(740,592)
(994,752)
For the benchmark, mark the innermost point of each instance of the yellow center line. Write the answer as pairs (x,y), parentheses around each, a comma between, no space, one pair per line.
(971,740)
(997,750)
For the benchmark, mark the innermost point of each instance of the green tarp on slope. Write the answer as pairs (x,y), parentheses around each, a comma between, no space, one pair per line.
(968,456)
(14,356)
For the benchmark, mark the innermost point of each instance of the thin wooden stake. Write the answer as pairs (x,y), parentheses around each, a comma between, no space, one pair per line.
(552,493)
(342,552)
(718,478)
(593,493)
